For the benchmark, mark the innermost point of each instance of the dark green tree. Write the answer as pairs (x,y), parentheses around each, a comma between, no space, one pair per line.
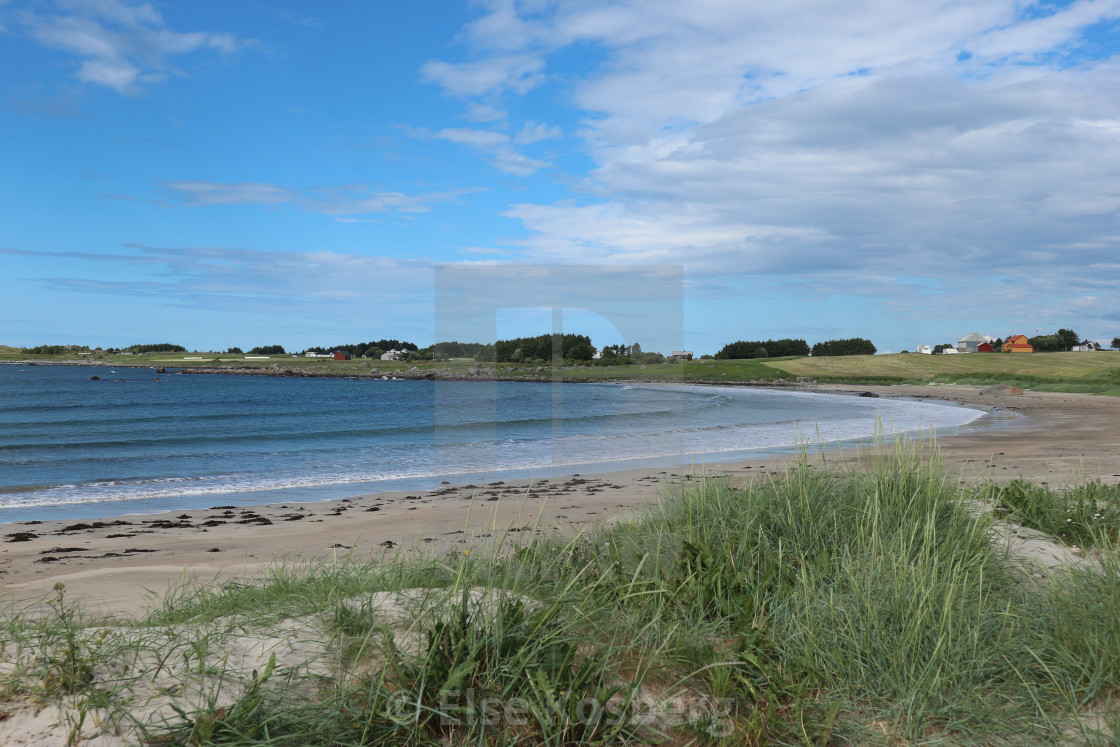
(1068,337)
(850,346)
(749,349)
(1048,344)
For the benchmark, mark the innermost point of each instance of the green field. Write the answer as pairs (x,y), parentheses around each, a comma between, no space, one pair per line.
(1072,372)
(1097,373)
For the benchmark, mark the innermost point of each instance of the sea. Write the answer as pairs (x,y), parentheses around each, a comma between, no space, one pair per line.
(133,440)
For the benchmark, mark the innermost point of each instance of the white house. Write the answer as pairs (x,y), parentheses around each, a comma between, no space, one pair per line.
(681,355)
(950,351)
(925,350)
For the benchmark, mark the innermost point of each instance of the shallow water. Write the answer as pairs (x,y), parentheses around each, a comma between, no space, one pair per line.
(137,440)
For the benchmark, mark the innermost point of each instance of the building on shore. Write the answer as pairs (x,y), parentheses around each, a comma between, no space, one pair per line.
(969,343)
(1018,344)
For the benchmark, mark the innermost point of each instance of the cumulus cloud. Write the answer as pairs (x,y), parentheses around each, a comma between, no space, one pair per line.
(122,45)
(835,147)
(336,201)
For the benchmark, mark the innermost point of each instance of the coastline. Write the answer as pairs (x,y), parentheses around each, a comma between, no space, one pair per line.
(120,564)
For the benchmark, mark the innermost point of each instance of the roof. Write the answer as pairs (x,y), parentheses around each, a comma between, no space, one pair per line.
(972,337)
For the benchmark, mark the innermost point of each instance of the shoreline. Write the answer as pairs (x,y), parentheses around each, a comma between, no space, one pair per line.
(337,490)
(122,563)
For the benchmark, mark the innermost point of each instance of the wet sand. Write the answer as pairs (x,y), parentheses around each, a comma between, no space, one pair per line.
(122,564)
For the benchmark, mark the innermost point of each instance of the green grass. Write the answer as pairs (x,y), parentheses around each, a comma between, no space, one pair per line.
(873,606)
(1085,515)
(1097,373)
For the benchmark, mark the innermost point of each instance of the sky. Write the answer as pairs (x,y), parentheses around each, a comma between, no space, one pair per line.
(216,174)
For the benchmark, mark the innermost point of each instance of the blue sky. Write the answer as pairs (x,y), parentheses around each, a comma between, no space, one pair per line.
(218,174)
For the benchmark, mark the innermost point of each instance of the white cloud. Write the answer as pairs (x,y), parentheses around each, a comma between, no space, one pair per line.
(245,193)
(327,284)
(1045,33)
(836,147)
(533,132)
(516,73)
(336,201)
(509,161)
(477,112)
(473,138)
(503,156)
(122,45)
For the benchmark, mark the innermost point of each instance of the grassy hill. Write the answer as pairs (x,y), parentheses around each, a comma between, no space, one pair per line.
(1069,372)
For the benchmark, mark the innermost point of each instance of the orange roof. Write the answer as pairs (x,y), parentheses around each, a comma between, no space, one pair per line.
(1017,344)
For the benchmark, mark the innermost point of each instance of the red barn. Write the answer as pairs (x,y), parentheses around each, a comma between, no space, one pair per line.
(342,355)
(985,347)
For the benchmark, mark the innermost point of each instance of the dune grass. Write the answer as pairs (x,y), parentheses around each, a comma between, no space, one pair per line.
(1084,515)
(874,606)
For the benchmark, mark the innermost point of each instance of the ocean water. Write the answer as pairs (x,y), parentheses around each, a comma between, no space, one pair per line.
(138,441)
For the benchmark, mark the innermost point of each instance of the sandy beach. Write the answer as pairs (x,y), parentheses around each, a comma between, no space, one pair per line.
(121,564)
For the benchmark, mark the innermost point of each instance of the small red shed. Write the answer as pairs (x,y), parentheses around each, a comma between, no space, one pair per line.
(985,347)
(342,355)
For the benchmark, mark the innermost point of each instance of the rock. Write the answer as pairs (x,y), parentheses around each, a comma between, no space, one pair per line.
(472,371)
(1002,390)
(95,378)
(867,394)
(161,370)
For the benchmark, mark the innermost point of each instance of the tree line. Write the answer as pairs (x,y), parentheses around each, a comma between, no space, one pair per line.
(1063,339)
(371,349)
(762,349)
(787,347)
(540,348)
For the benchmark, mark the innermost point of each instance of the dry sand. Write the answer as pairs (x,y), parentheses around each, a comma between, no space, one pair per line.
(121,564)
